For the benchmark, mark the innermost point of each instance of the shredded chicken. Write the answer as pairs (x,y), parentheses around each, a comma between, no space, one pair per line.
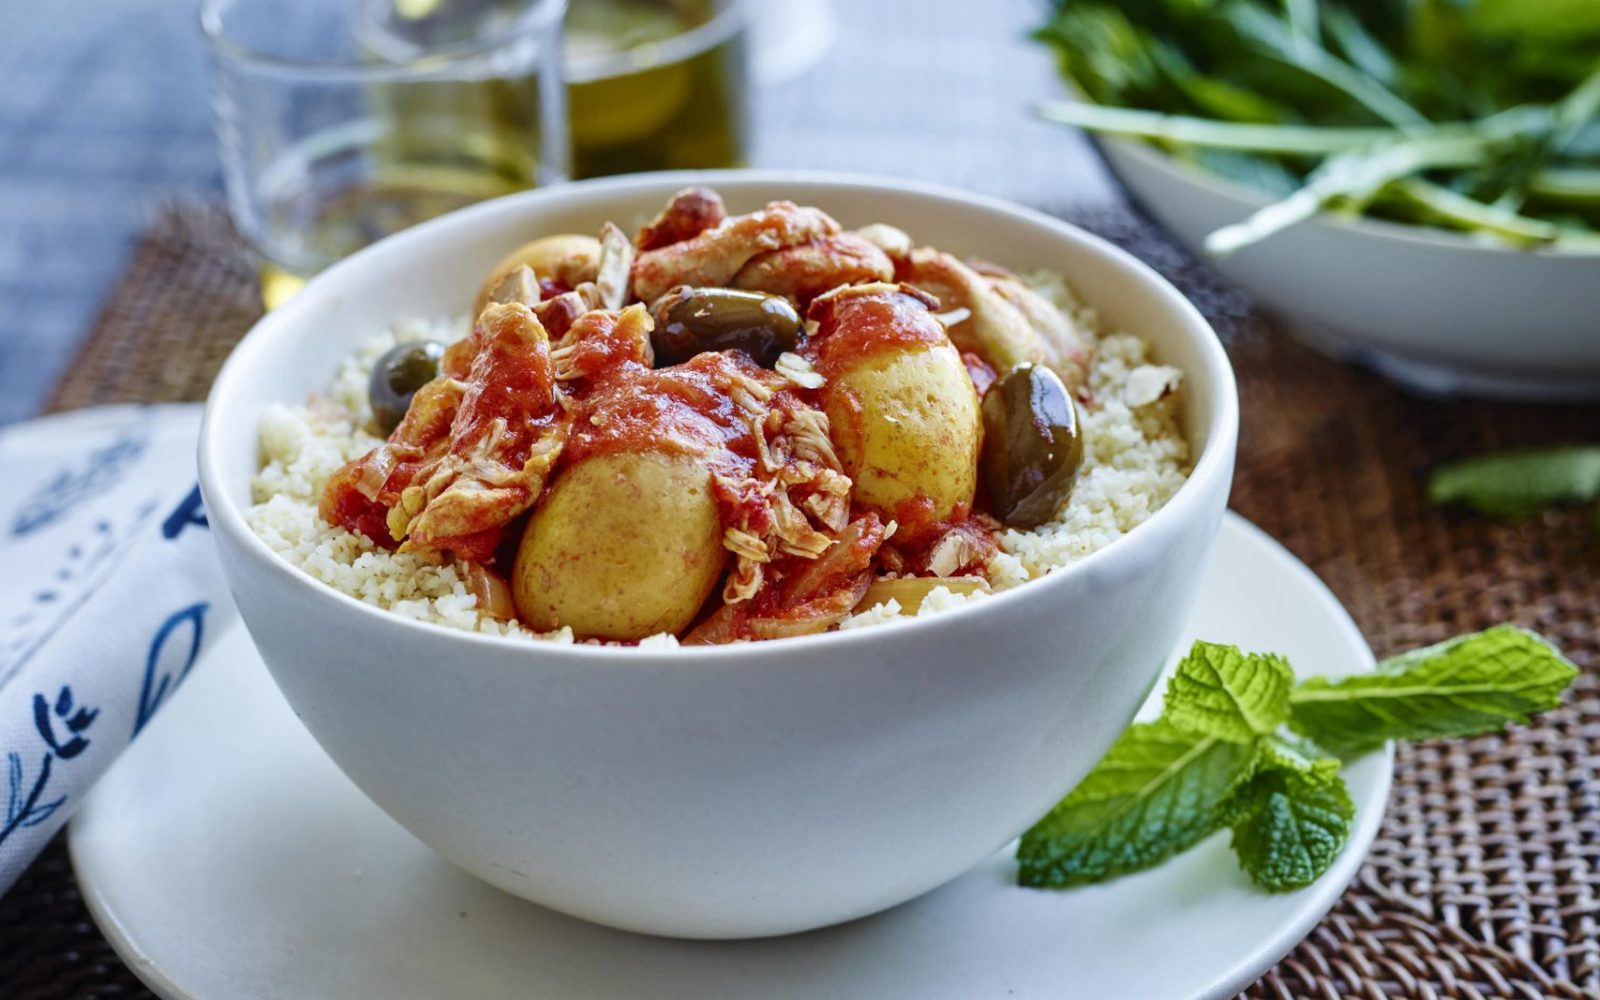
(713,257)
(600,340)
(470,455)
(558,313)
(798,371)
(957,550)
(1007,323)
(803,272)
(503,440)
(520,285)
(806,595)
(690,212)
(794,500)
(616,263)
(887,238)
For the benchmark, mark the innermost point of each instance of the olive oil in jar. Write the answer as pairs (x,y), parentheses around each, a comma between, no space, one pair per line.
(418,142)
(473,131)
(313,232)
(655,84)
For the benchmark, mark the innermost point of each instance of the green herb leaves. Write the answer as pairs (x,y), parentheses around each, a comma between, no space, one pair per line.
(1219,691)
(1158,791)
(1165,785)
(1240,745)
(1427,113)
(1468,685)
(1519,483)
(1290,821)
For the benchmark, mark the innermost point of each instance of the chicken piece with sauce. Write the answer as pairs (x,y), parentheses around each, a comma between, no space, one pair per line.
(669,448)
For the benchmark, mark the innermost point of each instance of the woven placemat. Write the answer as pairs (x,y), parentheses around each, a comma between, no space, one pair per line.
(1485,878)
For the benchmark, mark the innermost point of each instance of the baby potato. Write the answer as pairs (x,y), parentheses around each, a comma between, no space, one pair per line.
(906,423)
(567,258)
(624,546)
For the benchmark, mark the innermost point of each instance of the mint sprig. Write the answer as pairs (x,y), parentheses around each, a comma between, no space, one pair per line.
(1468,685)
(1516,484)
(1291,819)
(1158,791)
(1219,691)
(1240,746)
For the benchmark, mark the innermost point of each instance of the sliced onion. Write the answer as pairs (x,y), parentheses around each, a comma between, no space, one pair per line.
(910,591)
(493,593)
(813,616)
(717,629)
(375,470)
(846,558)
(729,624)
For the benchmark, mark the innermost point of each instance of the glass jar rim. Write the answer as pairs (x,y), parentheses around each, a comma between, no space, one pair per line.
(540,17)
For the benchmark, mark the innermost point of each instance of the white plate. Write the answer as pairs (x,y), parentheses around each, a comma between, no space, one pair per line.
(225,856)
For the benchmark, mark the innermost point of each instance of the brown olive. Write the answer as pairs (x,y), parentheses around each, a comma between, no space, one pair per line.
(691,321)
(1032,445)
(396,377)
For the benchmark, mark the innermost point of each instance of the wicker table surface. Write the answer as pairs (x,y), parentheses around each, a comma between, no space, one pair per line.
(1485,878)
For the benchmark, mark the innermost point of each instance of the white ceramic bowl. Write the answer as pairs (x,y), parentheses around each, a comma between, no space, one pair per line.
(728,791)
(1435,310)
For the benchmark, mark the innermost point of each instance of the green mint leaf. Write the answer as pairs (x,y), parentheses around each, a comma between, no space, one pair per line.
(1291,751)
(1158,791)
(1291,819)
(1469,685)
(1222,692)
(1519,483)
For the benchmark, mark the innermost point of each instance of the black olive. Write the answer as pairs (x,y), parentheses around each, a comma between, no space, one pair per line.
(397,376)
(691,321)
(1032,446)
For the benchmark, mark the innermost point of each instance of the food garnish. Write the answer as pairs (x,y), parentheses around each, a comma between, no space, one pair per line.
(1239,745)
(1516,484)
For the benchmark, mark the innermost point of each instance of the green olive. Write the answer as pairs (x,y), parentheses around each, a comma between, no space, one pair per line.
(691,321)
(398,374)
(1032,445)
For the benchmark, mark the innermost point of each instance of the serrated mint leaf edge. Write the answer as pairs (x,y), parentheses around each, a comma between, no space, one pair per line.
(1360,688)
(1294,762)
(1243,825)
(1202,672)
(1039,867)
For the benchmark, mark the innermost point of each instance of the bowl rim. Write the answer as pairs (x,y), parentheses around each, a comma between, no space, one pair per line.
(1214,463)
(1421,237)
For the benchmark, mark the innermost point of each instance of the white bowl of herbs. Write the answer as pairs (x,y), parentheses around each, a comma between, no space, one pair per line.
(1415,186)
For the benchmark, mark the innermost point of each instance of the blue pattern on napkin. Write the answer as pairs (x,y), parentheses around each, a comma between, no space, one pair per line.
(109,557)
(23,807)
(155,688)
(102,469)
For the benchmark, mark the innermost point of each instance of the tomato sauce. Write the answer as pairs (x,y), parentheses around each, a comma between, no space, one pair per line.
(495,402)
(718,407)
(865,320)
(918,533)
(513,379)
(686,409)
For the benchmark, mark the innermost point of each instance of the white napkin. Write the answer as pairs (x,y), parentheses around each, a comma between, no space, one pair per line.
(110,589)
